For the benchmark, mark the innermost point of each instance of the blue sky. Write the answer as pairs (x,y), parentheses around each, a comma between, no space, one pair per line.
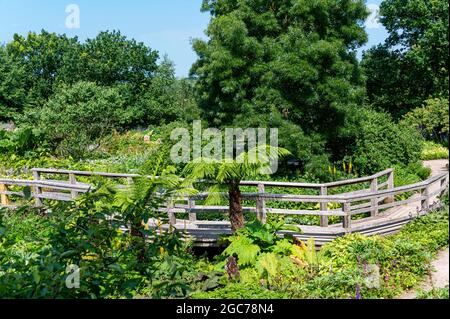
(167,26)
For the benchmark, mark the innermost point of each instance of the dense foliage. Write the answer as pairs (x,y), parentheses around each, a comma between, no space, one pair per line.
(35,251)
(354,266)
(285,64)
(111,104)
(431,120)
(412,65)
(380,143)
(35,68)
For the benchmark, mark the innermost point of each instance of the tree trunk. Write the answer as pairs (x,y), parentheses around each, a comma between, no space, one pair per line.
(236,215)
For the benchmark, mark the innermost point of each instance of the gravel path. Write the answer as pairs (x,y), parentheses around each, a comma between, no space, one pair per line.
(439,276)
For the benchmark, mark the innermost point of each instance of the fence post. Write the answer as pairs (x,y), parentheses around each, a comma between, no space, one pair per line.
(37,189)
(4,200)
(374,201)
(170,213)
(191,204)
(443,185)
(323,207)
(390,181)
(261,214)
(130,180)
(425,201)
(347,219)
(73,180)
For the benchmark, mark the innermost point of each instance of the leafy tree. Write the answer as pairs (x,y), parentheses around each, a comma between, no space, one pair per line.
(228,173)
(12,91)
(110,59)
(77,117)
(381,144)
(412,65)
(293,60)
(432,119)
(33,67)
(167,99)
(39,57)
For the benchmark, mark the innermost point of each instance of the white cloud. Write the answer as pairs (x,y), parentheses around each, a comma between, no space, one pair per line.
(372,21)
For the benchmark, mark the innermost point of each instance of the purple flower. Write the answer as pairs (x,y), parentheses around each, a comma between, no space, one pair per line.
(358,292)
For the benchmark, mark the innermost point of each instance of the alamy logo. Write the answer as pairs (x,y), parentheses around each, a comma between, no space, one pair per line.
(73,277)
(228,145)
(73,19)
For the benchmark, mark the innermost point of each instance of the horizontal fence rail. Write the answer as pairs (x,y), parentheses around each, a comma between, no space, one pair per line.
(378,196)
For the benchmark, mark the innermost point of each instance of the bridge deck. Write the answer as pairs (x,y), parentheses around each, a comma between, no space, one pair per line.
(206,233)
(388,214)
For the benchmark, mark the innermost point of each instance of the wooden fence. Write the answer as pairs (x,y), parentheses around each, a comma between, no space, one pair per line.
(377,195)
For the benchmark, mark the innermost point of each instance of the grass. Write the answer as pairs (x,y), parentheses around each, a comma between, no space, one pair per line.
(435,293)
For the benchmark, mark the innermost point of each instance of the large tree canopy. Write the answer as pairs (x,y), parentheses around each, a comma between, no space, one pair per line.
(412,65)
(283,62)
(35,66)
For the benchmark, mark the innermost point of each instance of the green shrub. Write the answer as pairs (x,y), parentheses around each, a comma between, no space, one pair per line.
(431,120)
(240,291)
(435,293)
(77,117)
(19,142)
(381,144)
(433,151)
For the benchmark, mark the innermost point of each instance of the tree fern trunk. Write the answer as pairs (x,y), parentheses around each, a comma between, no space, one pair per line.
(236,214)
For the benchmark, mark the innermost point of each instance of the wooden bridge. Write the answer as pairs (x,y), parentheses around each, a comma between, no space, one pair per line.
(378,207)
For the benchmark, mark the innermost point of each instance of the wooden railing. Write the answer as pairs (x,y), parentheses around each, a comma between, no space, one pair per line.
(260,209)
(61,191)
(378,197)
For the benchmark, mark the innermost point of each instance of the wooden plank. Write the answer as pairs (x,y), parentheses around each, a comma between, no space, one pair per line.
(4,200)
(170,213)
(383,185)
(367,204)
(297,198)
(437,192)
(46,184)
(323,207)
(54,196)
(11,193)
(82,173)
(425,200)
(192,214)
(390,185)
(261,205)
(374,201)
(211,209)
(358,180)
(412,199)
(306,212)
(37,189)
(281,184)
(243,183)
(73,181)
(347,220)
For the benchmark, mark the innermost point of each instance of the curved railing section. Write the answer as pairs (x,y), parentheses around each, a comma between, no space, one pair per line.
(384,207)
